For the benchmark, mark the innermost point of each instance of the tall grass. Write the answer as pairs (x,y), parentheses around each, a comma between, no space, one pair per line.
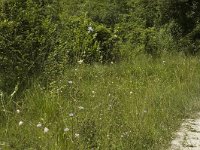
(133,105)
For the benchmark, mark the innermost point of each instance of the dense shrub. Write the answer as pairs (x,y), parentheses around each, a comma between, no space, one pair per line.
(190,44)
(107,12)
(28,33)
(107,42)
(82,41)
(85,40)
(92,31)
(150,41)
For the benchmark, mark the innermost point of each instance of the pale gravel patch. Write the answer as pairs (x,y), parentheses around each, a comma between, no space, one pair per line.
(188,136)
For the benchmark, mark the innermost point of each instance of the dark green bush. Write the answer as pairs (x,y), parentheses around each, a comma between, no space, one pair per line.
(141,39)
(85,40)
(151,42)
(106,12)
(28,33)
(190,44)
(82,41)
(107,44)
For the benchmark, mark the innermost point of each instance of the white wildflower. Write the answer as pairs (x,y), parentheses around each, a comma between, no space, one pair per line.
(81,107)
(93,92)
(90,29)
(70,82)
(66,129)
(39,125)
(131,92)
(18,111)
(77,135)
(80,61)
(46,130)
(71,114)
(21,123)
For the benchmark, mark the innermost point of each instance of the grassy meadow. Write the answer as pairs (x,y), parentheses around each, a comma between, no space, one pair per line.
(136,104)
(97,75)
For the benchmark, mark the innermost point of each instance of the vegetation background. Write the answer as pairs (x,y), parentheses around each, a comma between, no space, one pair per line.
(97,74)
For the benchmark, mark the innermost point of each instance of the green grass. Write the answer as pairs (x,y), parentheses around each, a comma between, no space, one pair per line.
(134,105)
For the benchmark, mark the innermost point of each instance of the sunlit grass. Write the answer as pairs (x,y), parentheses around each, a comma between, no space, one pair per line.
(128,105)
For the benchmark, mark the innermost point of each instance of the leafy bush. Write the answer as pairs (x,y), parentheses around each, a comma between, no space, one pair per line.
(79,39)
(85,40)
(82,41)
(150,42)
(28,33)
(107,12)
(190,44)
(107,41)
(139,38)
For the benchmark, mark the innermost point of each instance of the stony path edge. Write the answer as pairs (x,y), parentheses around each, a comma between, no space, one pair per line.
(188,136)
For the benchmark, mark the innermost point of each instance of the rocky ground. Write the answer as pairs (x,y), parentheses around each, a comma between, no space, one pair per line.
(188,136)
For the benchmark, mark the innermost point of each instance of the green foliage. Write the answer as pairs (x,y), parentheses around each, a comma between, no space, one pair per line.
(96,87)
(190,44)
(107,41)
(28,33)
(107,12)
(76,45)
(81,42)
(183,19)
(88,41)
(133,104)
(184,13)
(31,35)
(151,42)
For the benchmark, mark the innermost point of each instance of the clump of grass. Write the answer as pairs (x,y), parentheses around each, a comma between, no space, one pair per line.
(130,105)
